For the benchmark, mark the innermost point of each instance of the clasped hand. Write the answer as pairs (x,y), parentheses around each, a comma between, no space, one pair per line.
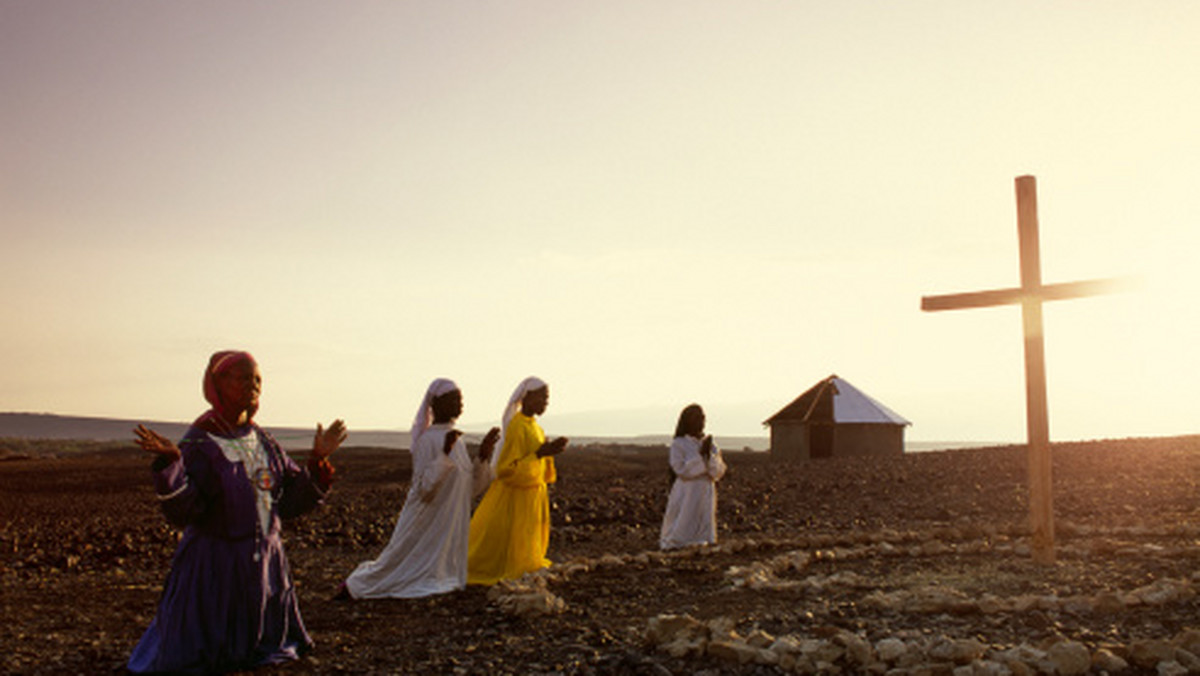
(552,447)
(485,447)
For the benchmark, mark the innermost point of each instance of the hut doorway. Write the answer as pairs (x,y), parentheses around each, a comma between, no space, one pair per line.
(820,441)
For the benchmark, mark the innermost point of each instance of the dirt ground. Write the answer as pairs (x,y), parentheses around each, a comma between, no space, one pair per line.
(84,552)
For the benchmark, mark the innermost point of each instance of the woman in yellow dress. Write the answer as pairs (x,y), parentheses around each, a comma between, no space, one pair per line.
(510,530)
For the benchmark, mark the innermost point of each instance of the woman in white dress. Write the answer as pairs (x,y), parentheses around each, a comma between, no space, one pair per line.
(691,517)
(428,551)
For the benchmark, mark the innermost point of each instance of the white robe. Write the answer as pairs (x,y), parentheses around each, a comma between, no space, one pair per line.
(691,516)
(428,550)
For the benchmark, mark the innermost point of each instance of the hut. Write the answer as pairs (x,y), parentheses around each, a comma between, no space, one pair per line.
(835,419)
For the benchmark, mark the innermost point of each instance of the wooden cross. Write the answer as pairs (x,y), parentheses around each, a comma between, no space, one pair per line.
(1031,294)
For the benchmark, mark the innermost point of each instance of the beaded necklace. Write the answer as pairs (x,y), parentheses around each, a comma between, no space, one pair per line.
(253,456)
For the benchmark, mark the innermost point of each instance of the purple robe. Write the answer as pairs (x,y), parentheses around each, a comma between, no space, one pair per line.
(228,602)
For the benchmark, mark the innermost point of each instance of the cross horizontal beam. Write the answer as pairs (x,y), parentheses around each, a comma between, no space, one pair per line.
(973,299)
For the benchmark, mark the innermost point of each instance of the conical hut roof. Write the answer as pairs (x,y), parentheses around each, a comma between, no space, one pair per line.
(834,400)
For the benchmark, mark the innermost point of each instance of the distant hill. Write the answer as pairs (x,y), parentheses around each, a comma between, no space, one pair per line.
(79,428)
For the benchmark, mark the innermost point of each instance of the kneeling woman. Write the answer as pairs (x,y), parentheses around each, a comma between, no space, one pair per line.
(691,517)
(229,602)
(510,531)
(428,550)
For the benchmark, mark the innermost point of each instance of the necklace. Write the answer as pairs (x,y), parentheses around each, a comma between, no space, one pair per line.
(249,451)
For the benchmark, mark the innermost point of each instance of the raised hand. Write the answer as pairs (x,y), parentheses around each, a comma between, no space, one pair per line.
(488,445)
(326,441)
(448,443)
(154,442)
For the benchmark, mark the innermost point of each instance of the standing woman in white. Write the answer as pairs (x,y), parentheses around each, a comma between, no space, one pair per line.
(428,551)
(696,462)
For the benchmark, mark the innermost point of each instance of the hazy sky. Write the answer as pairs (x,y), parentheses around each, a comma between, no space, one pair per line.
(644,203)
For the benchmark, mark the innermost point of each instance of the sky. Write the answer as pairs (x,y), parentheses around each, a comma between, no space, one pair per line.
(646,204)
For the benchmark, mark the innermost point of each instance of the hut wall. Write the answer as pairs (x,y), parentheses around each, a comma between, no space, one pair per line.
(868,439)
(789,440)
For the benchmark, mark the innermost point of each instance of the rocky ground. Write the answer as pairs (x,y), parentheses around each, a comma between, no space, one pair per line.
(911,565)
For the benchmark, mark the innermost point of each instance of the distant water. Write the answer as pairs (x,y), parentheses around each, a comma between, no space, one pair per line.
(925,446)
(383,439)
(47,426)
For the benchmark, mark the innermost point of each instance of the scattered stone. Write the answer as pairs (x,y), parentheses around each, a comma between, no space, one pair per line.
(1108,602)
(526,597)
(733,651)
(890,649)
(1105,660)
(1189,640)
(1148,653)
(1188,660)
(858,650)
(958,651)
(1069,658)
(1161,592)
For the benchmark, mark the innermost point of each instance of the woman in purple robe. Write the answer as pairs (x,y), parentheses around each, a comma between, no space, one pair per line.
(229,602)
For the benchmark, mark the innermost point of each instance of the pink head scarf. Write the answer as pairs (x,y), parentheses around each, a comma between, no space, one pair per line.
(219,364)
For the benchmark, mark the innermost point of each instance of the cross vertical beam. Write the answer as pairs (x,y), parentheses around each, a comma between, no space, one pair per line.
(1031,294)
(1037,418)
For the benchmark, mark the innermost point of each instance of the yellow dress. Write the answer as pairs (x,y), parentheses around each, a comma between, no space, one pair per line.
(510,530)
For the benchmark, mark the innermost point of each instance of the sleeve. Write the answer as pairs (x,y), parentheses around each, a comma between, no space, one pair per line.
(519,465)
(185,487)
(431,466)
(481,476)
(716,463)
(686,461)
(299,492)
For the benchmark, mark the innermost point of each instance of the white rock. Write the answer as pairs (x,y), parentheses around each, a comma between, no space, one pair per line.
(668,627)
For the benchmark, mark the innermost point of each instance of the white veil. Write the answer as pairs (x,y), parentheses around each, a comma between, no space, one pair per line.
(514,404)
(424,417)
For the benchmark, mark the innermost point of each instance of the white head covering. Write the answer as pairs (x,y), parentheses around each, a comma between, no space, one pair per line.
(514,404)
(424,417)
